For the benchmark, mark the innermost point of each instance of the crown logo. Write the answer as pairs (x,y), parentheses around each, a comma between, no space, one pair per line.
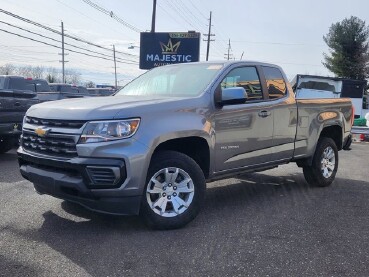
(170,48)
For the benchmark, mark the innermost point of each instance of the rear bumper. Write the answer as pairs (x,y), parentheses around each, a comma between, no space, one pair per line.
(70,180)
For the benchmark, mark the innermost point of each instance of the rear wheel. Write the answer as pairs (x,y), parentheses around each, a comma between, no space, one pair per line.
(5,145)
(174,192)
(325,163)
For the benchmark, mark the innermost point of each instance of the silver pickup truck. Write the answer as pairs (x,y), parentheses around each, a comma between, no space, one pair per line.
(151,148)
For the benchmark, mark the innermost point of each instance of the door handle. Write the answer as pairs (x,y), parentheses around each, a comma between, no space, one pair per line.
(17,104)
(264,113)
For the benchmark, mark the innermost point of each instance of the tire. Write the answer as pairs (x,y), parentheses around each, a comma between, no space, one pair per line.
(174,191)
(324,165)
(5,145)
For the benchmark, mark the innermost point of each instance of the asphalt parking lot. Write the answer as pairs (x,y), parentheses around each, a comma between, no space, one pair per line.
(264,224)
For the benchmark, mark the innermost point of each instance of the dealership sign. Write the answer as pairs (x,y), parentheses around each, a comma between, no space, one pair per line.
(157,49)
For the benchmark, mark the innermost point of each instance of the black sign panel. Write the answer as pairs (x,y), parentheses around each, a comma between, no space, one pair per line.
(157,49)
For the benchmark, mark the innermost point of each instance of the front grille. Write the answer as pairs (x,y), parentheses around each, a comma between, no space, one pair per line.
(74,124)
(103,175)
(51,145)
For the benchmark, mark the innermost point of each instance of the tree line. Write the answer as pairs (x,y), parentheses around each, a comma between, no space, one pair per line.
(51,74)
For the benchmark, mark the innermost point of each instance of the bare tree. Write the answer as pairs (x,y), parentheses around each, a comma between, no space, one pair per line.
(53,75)
(90,84)
(72,77)
(25,71)
(8,69)
(37,72)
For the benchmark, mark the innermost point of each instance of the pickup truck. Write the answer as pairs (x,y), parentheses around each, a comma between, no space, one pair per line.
(16,96)
(151,148)
(59,91)
(100,91)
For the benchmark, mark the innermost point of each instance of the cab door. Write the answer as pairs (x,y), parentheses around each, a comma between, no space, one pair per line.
(243,132)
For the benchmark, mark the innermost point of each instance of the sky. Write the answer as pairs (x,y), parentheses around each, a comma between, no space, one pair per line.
(285,32)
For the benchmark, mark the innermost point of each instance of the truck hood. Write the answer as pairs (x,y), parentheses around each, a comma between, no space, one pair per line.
(96,108)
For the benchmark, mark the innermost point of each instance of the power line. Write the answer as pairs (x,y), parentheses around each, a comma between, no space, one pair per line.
(200,25)
(25,50)
(89,17)
(23,57)
(52,45)
(279,43)
(178,11)
(72,45)
(112,15)
(168,13)
(59,33)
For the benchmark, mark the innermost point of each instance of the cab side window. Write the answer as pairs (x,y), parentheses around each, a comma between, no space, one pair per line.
(277,87)
(246,77)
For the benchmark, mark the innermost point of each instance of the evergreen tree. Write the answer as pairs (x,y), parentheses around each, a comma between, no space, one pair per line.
(349,49)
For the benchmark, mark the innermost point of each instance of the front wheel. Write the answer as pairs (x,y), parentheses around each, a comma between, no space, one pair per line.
(174,192)
(325,163)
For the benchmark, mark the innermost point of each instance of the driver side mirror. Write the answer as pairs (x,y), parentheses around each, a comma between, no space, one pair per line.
(232,96)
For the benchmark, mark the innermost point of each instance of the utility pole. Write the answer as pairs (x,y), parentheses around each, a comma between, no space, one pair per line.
(153,19)
(115,68)
(63,61)
(209,34)
(229,48)
(228,54)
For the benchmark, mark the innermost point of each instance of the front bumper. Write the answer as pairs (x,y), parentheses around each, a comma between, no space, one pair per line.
(71,180)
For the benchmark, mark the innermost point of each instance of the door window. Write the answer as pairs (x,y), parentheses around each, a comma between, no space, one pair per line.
(246,77)
(277,87)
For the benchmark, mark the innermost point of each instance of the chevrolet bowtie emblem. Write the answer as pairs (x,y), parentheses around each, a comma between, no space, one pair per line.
(42,132)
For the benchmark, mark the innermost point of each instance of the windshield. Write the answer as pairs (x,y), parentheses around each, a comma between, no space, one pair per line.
(184,80)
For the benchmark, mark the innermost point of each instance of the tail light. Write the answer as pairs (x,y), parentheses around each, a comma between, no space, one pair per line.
(362,137)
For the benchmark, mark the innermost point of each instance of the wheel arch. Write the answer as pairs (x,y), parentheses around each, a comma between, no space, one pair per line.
(195,147)
(335,132)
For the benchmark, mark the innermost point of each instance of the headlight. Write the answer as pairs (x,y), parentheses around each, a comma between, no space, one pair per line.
(98,131)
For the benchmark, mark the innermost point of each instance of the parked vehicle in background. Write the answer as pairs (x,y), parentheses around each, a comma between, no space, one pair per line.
(82,90)
(40,85)
(101,91)
(310,86)
(362,130)
(151,147)
(105,86)
(60,91)
(16,96)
